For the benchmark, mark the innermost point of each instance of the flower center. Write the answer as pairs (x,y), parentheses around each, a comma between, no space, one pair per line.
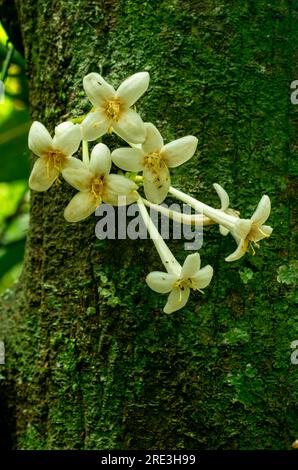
(113,109)
(153,161)
(184,283)
(96,187)
(55,159)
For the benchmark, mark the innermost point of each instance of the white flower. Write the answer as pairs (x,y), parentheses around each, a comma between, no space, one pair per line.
(245,231)
(55,153)
(95,184)
(252,229)
(154,159)
(113,108)
(179,284)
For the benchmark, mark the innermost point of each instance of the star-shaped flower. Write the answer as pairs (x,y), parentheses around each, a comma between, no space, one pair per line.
(154,159)
(250,231)
(55,153)
(95,184)
(113,108)
(179,284)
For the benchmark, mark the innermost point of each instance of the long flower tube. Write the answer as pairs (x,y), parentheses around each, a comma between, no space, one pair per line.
(197,219)
(187,219)
(169,261)
(247,232)
(178,280)
(216,215)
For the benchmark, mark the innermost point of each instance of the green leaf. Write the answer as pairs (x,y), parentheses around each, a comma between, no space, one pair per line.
(14,152)
(246,275)
(16,56)
(12,254)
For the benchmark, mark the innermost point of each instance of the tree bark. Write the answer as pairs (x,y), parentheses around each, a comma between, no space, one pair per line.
(92,362)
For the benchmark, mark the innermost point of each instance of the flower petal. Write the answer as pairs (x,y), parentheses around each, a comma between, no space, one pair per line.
(80,207)
(69,140)
(177,299)
(263,232)
(191,266)
(156,185)
(223,230)
(129,159)
(63,127)
(161,282)
(130,127)
(223,196)
(262,212)
(153,141)
(97,89)
(179,151)
(100,160)
(39,139)
(133,88)
(239,252)
(77,174)
(119,190)
(203,277)
(242,227)
(95,125)
(42,176)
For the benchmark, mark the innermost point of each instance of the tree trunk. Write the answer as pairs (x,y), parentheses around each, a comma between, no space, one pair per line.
(92,362)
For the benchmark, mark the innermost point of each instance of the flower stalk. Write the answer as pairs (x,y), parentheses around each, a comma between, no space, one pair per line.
(165,254)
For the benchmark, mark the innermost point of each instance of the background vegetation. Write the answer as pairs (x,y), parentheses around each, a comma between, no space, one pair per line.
(14,163)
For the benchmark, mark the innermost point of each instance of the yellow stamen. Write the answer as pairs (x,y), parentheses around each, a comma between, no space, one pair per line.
(55,159)
(113,109)
(96,187)
(153,161)
(265,235)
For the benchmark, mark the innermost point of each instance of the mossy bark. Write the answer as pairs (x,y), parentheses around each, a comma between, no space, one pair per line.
(92,362)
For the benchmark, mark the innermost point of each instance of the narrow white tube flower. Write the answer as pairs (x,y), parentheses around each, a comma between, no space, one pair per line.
(178,280)
(190,276)
(257,231)
(95,184)
(168,259)
(245,231)
(113,108)
(187,219)
(55,154)
(154,159)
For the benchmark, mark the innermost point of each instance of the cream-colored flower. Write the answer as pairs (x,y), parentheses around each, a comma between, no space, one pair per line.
(253,229)
(246,232)
(54,153)
(190,276)
(154,159)
(113,108)
(95,184)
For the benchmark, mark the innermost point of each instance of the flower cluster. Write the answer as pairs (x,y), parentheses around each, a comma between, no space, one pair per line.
(147,153)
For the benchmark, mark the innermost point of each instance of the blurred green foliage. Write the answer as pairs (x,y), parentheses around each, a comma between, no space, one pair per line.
(14,125)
